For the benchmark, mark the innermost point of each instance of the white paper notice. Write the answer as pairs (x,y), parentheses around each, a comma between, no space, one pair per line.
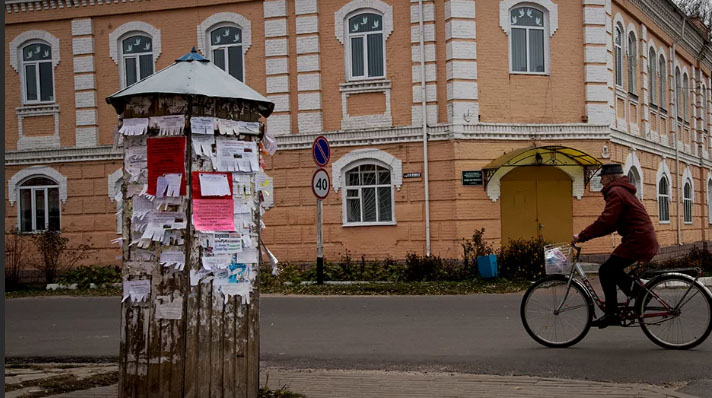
(242,290)
(135,162)
(141,207)
(214,184)
(241,184)
(197,276)
(227,243)
(203,145)
(251,154)
(169,309)
(168,125)
(217,262)
(249,128)
(270,144)
(173,257)
(230,152)
(247,256)
(135,126)
(228,127)
(202,125)
(137,290)
(168,185)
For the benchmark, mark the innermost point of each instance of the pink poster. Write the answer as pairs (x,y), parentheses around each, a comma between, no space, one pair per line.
(213,214)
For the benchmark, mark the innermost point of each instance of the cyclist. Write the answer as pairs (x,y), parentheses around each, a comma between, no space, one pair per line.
(625,214)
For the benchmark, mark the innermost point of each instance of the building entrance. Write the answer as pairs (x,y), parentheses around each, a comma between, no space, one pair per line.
(536,201)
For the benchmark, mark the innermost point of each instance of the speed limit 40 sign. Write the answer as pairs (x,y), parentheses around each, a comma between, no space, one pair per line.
(321,183)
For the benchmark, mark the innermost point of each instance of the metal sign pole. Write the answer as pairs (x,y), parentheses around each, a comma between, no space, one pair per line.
(319,245)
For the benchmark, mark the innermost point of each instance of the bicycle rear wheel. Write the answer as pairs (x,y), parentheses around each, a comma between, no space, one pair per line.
(544,324)
(685,322)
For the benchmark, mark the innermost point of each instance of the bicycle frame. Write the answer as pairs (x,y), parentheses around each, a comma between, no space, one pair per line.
(577,269)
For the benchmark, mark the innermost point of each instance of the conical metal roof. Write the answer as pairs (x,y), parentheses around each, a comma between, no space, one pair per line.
(192,74)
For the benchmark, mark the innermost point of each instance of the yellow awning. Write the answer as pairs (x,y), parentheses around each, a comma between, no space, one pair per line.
(550,155)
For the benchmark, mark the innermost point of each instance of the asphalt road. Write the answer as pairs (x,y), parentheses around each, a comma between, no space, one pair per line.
(474,334)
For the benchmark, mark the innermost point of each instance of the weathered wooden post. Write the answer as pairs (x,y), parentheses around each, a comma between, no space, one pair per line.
(191,225)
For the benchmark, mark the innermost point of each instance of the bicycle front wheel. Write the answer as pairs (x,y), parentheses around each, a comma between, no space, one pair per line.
(548,326)
(675,312)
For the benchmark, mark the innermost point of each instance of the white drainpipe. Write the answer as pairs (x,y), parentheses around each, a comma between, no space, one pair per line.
(425,128)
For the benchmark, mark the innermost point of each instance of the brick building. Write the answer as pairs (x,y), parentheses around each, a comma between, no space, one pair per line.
(608,80)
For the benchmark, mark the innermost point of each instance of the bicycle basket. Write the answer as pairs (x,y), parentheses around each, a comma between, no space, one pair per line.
(556,259)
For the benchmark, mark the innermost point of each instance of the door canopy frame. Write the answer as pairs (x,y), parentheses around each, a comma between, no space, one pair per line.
(579,165)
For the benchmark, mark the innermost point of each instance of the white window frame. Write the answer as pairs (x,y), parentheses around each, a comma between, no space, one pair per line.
(661,196)
(618,52)
(632,62)
(347,46)
(212,47)
(23,75)
(544,29)
(652,75)
(662,78)
(15,51)
(705,108)
(685,97)
(687,201)
(33,204)
(344,195)
(633,163)
(137,56)
(678,87)
(126,30)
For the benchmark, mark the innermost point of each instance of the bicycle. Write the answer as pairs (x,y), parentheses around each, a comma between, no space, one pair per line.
(672,307)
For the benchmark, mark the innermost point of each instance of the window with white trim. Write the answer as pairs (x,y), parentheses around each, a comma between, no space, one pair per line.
(705,115)
(685,97)
(709,201)
(365,51)
(38,204)
(687,201)
(136,58)
(634,178)
(37,74)
(527,40)
(632,62)
(368,195)
(678,97)
(664,199)
(662,74)
(652,62)
(226,50)
(618,43)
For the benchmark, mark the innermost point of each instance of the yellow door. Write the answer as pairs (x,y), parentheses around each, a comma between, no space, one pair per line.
(536,201)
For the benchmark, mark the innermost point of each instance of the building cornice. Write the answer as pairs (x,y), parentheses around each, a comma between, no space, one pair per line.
(622,138)
(62,155)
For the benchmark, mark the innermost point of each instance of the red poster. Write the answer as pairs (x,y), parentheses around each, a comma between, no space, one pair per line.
(165,156)
(195,182)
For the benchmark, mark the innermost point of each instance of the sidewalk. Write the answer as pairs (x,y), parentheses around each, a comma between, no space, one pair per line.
(318,383)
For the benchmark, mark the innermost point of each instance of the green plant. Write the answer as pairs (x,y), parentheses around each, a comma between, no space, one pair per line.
(56,256)
(84,276)
(473,248)
(522,259)
(17,256)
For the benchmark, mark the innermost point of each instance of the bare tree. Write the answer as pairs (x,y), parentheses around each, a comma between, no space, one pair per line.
(697,8)
(56,256)
(17,255)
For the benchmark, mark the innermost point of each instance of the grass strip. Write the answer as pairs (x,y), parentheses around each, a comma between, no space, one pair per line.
(109,291)
(64,383)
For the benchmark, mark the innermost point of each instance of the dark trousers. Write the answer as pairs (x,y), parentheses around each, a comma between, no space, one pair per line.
(611,274)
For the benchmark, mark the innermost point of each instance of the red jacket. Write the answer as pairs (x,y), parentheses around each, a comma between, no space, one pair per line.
(625,214)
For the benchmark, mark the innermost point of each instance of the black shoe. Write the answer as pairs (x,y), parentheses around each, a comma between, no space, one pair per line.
(606,321)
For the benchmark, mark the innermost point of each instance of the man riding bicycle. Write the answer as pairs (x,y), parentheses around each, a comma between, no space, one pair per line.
(625,214)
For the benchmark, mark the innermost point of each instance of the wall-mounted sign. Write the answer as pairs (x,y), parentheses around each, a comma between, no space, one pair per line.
(412,175)
(471,177)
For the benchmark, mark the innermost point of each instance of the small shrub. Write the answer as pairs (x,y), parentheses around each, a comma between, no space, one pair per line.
(473,248)
(697,257)
(522,259)
(56,256)
(84,276)
(17,256)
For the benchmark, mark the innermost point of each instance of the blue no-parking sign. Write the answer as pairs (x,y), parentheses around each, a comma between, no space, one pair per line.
(321,151)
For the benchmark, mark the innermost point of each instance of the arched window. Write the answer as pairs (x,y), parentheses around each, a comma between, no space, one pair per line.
(619,55)
(709,201)
(37,75)
(687,201)
(632,62)
(652,61)
(136,58)
(366,46)
(39,204)
(705,116)
(678,97)
(685,97)
(368,194)
(634,178)
(662,73)
(664,199)
(226,49)
(527,40)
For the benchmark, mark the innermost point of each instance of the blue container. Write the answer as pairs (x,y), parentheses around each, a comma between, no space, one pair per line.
(487,265)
